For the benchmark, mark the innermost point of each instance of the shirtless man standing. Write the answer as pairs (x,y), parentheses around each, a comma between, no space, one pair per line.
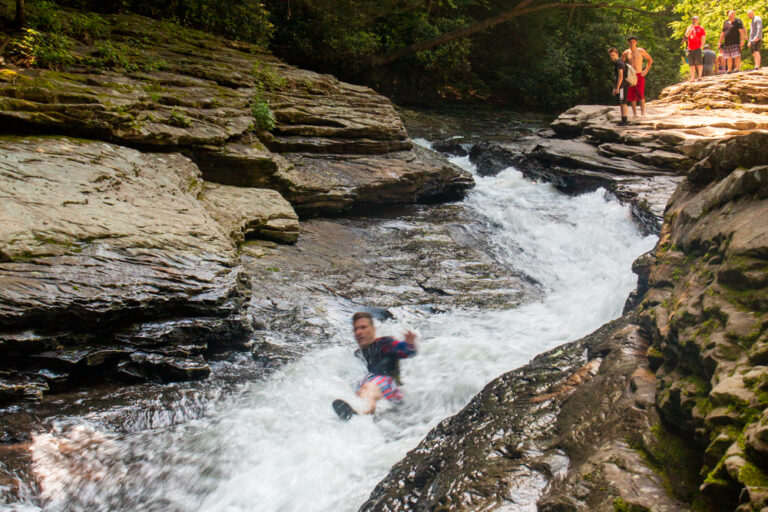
(634,56)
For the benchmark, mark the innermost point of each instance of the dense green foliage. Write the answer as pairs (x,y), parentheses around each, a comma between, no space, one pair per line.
(712,15)
(547,60)
(246,20)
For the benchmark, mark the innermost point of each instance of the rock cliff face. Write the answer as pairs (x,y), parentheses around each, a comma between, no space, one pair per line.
(119,250)
(666,409)
(706,313)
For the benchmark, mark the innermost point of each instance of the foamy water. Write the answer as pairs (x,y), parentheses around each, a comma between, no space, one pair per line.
(278,446)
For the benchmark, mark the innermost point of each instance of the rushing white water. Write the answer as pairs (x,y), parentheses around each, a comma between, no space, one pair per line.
(277,445)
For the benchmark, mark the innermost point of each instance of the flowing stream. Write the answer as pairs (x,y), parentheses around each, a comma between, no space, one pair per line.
(274,444)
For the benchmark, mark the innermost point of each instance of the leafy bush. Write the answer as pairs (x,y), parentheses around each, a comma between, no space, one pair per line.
(109,56)
(263,116)
(53,51)
(178,118)
(46,16)
(245,20)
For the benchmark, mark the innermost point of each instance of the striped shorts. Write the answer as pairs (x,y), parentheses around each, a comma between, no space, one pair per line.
(386,385)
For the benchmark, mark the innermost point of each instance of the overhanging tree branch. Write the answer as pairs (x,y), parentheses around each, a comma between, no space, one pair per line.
(519,10)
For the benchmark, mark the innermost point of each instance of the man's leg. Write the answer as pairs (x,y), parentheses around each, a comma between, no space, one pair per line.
(634,109)
(737,64)
(728,65)
(756,56)
(640,95)
(692,69)
(371,393)
(700,70)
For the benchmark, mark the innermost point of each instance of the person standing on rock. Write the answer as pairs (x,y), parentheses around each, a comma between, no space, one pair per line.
(382,357)
(634,56)
(695,34)
(622,86)
(710,61)
(755,36)
(732,38)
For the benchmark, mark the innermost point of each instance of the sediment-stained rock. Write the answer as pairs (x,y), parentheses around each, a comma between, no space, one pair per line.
(107,252)
(332,183)
(554,432)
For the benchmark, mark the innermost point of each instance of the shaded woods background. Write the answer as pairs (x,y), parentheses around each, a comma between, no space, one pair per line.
(548,60)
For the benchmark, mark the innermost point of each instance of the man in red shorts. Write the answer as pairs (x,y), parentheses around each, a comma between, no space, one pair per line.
(634,56)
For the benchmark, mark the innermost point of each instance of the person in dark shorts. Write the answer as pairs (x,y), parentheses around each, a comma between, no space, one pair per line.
(755,36)
(622,86)
(710,61)
(732,39)
(381,357)
(696,35)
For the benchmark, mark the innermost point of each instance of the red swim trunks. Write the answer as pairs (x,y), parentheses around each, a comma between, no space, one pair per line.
(637,92)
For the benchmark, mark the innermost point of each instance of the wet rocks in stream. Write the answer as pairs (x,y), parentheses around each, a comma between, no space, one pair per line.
(530,435)
(119,256)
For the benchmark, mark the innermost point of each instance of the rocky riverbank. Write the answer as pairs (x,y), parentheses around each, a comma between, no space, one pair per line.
(120,250)
(664,409)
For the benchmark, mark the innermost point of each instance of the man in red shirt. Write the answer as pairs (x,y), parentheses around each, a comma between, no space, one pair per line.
(696,35)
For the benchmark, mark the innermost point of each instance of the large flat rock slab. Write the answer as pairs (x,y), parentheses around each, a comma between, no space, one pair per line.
(110,266)
(61,193)
(683,121)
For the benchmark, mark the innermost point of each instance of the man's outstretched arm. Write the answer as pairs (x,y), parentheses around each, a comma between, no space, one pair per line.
(401,349)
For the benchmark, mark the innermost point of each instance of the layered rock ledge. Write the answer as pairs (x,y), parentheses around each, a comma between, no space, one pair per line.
(666,408)
(334,146)
(641,163)
(110,267)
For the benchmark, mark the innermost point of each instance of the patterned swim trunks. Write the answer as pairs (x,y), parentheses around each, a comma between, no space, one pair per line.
(386,385)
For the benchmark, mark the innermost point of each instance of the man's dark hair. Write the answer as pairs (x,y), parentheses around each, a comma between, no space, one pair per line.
(612,49)
(362,314)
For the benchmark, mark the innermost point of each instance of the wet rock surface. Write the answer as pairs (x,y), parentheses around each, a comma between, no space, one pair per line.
(554,432)
(111,267)
(119,259)
(675,415)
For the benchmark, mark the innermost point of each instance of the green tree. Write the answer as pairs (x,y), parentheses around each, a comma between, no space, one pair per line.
(712,15)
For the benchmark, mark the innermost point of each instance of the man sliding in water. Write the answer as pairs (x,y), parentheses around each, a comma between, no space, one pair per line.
(382,357)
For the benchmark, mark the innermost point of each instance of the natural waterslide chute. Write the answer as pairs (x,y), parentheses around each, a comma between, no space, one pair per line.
(277,445)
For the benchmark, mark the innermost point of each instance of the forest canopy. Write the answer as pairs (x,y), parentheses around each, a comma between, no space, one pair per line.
(545,60)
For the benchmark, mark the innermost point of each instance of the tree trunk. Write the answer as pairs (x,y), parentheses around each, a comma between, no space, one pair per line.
(20,18)
(519,10)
